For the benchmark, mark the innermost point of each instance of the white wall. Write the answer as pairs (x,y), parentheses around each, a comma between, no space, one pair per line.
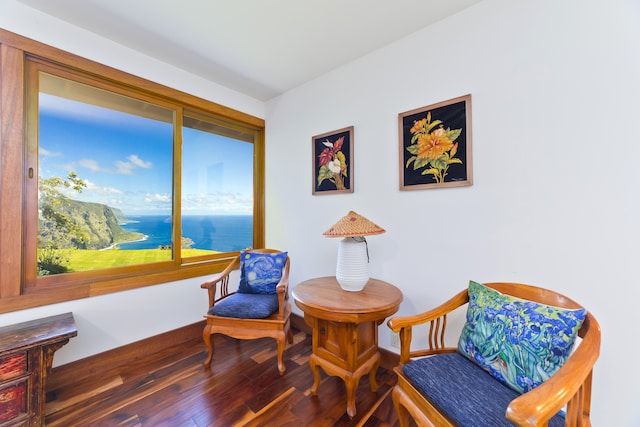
(44,28)
(121,318)
(555,89)
(118,319)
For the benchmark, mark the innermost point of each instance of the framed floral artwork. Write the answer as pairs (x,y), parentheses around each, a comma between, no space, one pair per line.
(333,162)
(435,145)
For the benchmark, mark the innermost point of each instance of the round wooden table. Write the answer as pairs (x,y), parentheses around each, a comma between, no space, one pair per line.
(345,329)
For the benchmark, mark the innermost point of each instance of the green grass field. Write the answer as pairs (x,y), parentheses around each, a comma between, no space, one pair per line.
(83,260)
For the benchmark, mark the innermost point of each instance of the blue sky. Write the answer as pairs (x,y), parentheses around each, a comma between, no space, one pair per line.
(126,161)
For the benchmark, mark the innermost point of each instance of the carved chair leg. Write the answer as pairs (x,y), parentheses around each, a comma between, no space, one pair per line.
(281,345)
(401,411)
(208,342)
(405,408)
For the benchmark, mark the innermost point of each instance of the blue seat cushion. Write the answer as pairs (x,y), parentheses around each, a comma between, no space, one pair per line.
(246,306)
(467,394)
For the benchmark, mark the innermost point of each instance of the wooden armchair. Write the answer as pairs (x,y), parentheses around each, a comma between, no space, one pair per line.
(249,315)
(569,388)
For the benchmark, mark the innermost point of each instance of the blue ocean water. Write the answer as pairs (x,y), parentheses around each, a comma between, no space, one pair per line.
(222,233)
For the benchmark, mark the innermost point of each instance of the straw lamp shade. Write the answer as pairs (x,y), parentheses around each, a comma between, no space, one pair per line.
(352,269)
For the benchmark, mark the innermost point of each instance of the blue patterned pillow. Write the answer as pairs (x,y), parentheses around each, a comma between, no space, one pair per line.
(521,343)
(260,272)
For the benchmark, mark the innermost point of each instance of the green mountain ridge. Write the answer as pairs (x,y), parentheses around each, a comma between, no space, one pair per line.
(98,222)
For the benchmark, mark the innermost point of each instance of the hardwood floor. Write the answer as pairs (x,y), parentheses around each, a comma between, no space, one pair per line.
(242,388)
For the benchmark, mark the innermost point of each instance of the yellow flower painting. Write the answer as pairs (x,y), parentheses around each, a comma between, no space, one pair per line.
(436,145)
(433,148)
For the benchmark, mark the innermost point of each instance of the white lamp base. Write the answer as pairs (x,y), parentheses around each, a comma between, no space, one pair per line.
(352,270)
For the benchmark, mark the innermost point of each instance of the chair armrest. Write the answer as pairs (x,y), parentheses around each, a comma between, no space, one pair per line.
(282,288)
(223,279)
(399,322)
(537,406)
(437,318)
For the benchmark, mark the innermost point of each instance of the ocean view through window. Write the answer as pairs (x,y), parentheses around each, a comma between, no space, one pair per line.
(114,182)
(217,159)
(220,233)
(108,182)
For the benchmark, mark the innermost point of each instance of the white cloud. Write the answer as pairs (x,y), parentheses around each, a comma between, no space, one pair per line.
(157,198)
(46,153)
(120,167)
(139,162)
(95,188)
(220,202)
(124,168)
(92,165)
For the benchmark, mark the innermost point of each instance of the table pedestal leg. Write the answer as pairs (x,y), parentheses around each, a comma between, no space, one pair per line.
(315,370)
(372,374)
(351,379)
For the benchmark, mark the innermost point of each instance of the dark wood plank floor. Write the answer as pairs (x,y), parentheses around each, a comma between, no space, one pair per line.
(243,388)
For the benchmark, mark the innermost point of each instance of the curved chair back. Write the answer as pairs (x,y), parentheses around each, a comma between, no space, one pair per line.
(570,385)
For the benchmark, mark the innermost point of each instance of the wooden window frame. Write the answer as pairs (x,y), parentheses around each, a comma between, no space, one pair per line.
(16,53)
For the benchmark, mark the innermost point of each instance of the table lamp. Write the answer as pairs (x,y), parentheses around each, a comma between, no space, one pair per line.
(352,269)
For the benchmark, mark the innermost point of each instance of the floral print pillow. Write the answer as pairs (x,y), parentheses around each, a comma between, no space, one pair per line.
(260,272)
(521,343)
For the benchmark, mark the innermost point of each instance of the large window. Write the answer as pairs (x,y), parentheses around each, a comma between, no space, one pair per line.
(105,178)
(125,182)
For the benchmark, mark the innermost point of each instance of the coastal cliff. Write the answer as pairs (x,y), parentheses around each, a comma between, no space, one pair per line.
(98,222)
